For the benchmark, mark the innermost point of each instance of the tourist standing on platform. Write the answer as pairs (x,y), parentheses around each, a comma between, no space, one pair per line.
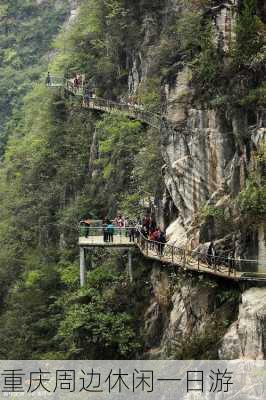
(120,222)
(127,224)
(87,224)
(105,233)
(110,232)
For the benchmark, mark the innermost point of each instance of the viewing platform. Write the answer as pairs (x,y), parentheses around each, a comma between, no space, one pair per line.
(98,236)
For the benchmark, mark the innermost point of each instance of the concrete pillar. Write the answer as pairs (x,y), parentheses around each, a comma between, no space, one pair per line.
(130,272)
(262,249)
(82,266)
(92,263)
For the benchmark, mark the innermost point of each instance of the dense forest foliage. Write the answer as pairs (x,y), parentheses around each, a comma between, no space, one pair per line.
(27,29)
(52,176)
(47,185)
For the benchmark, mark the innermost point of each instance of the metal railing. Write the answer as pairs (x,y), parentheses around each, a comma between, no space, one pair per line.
(89,231)
(199,261)
(100,235)
(55,81)
(186,259)
(132,110)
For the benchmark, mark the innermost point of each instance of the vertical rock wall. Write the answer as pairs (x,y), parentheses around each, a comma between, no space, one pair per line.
(209,153)
(208,156)
(186,318)
(246,338)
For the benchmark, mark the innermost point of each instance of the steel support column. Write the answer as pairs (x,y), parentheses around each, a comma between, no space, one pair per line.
(82,266)
(130,272)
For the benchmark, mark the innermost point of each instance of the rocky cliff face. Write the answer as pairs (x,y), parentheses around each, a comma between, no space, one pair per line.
(210,152)
(190,318)
(208,156)
(246,338)
(187,317)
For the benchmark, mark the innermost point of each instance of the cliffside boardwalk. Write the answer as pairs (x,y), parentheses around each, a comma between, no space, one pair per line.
(221,266)
(168,254)
(96,103)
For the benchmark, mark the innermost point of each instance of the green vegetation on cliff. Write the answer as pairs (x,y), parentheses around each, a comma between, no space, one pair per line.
(26,32)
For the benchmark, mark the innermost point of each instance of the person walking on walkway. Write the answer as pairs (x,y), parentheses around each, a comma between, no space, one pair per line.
(152,226)
(76,83)
(144,236)
(162,241)
(153,237)
(211,254)
(132,233)
(87,96)
(110,232)
(146,223)
(48,79)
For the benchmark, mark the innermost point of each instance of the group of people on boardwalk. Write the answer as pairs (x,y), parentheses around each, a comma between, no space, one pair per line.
(122,225)
(108,230)
(154,234)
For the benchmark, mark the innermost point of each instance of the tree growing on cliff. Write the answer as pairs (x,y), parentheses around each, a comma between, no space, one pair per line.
(248,41)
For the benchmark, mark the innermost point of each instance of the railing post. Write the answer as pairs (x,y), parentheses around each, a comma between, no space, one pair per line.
(172,254)
(130,272)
